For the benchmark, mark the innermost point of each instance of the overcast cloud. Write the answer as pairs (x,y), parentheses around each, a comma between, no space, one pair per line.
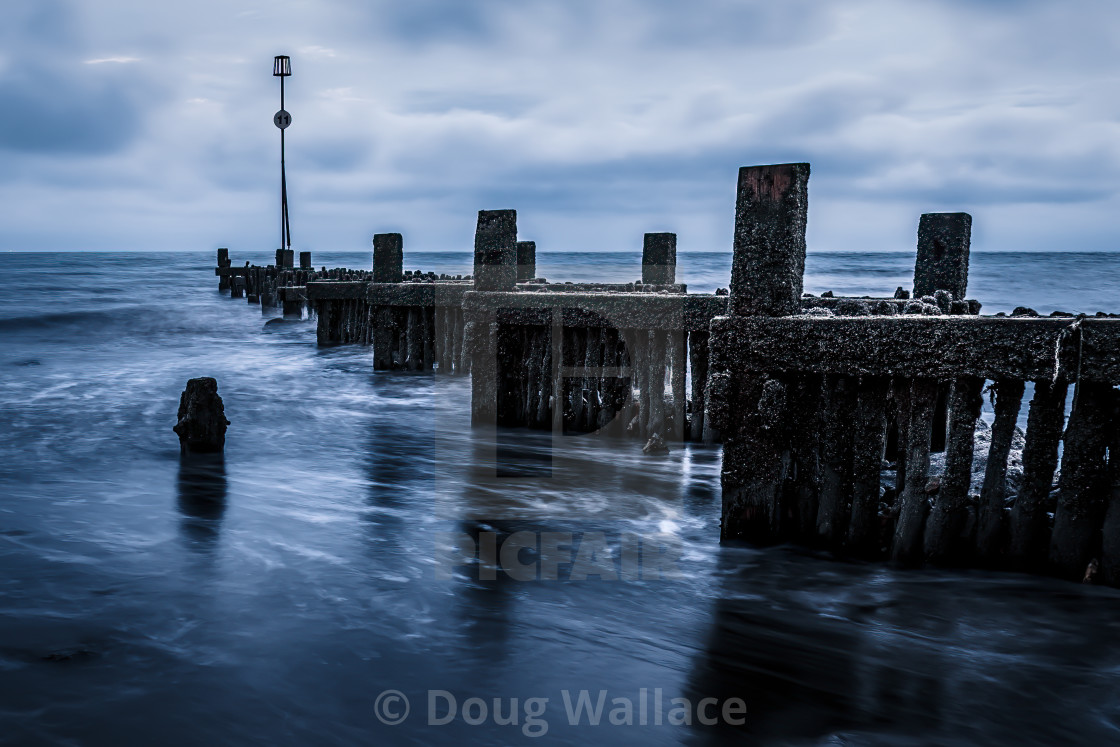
(141,125)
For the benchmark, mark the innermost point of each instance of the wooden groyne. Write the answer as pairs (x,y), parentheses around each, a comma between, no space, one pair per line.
(811,406)
(828,408)
(615,356)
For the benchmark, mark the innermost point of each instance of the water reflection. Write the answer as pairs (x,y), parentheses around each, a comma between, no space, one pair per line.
(202,487)
(868,655)
(792,668)
(486,597)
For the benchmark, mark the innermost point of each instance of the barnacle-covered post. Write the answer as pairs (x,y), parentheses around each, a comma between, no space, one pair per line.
(766,280)
(942,262)
(495,269)
(202,423)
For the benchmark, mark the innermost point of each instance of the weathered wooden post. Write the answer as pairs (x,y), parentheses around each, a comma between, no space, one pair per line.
(991,525)
(305,261)
(1084,484)
(868,445)
(253,285)
(1110,529)
(914,504)
(698,362)
(495,269)
(1028,530)
(495,250)
(223,262)
(388,267)
(678,357)
(659,259)
(942,263)
(766,280)
(836,460)
(656,379)
(202,423)
(526,260)
(388,258)
(292,303)
(946,541)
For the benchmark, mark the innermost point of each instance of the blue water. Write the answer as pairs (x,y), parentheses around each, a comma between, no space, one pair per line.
(272,597)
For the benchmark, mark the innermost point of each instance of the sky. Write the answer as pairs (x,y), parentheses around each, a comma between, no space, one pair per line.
(138,125)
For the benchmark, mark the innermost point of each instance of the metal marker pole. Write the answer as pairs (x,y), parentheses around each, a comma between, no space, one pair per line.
(282,68)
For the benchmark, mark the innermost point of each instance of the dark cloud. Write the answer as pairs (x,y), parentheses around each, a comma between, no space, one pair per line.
(54,102)
(68,111)
(440,20)
(595,115)
(333,155)
(755,22)
(37,24)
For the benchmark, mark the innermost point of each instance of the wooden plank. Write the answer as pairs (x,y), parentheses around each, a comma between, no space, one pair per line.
(1083,496)
(698,362)
(868,442)
(678,360)
(618,310)
(1029,531)
(946,542)
(336,289)
(1110,530)
(991,524)
(931,347)
(909,532)
(833,514)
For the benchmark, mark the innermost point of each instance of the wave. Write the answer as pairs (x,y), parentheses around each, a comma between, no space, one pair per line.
(93,318)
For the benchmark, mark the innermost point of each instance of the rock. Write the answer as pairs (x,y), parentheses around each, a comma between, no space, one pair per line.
(982,443)
(852,307)
(655,445)
(827,294)
(1024,311)
(901,293)
(202,418)
(885,308)
(944,300)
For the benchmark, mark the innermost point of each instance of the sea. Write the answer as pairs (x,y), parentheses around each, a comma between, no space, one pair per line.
(313,586)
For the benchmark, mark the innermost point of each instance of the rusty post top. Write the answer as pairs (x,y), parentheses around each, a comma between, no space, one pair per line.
(768,265)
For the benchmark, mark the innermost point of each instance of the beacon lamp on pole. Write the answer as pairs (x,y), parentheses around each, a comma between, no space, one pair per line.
(282,68)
